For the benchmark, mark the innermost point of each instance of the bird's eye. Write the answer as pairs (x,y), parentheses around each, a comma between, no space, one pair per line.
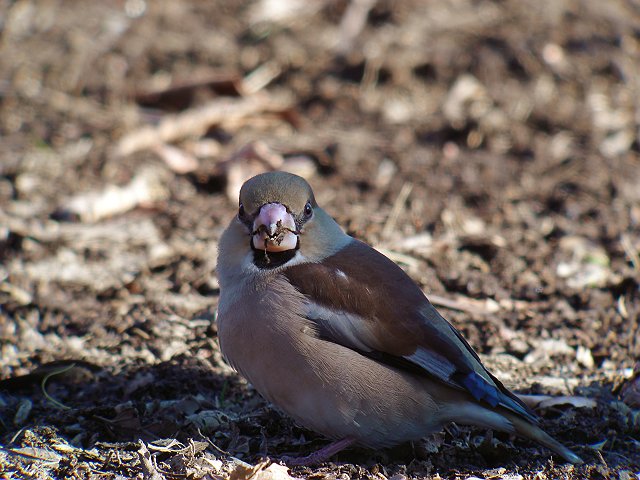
(241,211)
(308,210)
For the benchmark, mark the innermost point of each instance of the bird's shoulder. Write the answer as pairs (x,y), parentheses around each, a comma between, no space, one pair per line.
(358,279)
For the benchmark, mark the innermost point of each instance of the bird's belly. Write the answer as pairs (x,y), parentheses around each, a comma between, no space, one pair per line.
(278,366)
(320,384)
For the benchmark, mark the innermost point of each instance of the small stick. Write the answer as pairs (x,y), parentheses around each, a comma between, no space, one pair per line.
(398,205)
(196,121)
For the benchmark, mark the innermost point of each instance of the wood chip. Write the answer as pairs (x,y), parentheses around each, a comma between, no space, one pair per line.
(196,121)
(547,401)
(147,187)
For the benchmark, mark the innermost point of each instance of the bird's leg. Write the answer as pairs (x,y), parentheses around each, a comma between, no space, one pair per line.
(319,456)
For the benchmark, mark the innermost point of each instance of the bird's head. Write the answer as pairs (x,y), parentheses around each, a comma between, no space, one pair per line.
(276,207)
(279,216)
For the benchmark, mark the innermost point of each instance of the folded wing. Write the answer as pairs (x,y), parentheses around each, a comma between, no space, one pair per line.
(387,317)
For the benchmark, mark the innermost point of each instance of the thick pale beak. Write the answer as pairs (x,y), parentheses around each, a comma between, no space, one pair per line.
(274,229)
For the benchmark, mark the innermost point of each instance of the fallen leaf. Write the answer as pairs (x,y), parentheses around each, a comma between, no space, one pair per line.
(262,471)
(37,454)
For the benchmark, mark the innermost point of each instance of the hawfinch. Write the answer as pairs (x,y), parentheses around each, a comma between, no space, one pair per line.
(340,338)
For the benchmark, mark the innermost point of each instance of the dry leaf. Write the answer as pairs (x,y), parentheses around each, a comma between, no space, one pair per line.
(262,471)
(37,454)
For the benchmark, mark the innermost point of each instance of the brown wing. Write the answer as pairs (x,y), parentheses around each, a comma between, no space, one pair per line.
(360,299)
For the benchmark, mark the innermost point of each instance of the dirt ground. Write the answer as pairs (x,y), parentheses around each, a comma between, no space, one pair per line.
(489,147)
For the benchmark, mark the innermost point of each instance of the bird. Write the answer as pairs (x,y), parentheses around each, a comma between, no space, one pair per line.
(340,338)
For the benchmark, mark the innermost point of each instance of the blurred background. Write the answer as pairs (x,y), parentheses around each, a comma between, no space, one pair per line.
(489,147)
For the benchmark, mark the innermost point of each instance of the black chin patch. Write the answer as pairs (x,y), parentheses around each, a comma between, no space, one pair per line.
(268,260)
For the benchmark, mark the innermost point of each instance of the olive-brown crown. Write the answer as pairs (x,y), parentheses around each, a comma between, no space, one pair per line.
(285,188)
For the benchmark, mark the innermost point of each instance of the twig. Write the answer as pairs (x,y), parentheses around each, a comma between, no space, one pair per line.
(352,23)
(465,304)
(43,385)
(260,78)
(197,121)
(149,470)
(399,257)
(147,187)
(398,205)
(217,448)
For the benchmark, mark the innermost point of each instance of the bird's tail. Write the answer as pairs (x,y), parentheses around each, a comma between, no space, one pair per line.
(508,421)
(528,430)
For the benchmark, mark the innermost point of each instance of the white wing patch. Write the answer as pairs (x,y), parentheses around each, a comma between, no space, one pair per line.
(432,362)
(354,331)
(351,329)
(341,274)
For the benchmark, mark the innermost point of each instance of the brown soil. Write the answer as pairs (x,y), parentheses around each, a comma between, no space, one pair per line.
(489,147)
